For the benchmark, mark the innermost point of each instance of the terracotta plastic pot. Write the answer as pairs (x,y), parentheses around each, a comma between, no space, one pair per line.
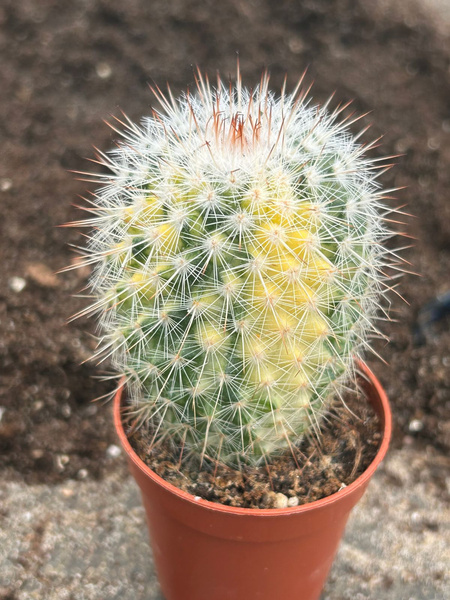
(208,551)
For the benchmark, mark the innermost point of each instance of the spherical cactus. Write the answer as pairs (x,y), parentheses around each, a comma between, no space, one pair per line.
(239,266)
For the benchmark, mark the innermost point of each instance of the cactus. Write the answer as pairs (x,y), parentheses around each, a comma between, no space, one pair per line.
(238,266)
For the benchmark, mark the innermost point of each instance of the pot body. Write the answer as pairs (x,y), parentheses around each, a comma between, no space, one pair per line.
(208,551)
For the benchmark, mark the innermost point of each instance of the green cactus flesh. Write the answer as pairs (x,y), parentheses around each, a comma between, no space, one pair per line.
(238,257)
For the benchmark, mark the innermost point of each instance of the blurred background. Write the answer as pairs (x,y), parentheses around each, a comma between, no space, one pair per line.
(72,525)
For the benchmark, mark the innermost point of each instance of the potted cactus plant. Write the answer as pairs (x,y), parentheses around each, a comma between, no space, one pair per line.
(238,273)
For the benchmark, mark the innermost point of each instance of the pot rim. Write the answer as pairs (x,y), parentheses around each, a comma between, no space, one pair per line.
(386,417)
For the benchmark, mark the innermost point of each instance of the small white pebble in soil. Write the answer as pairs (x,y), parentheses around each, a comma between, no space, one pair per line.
(61,461)
(103,70)
(91,410)
(433,143)
(37,453)
(82,474)
(295,45)
(416,425)
(67,492)
(38,405)
(293,501)
(17,284)
(197,498)
(415,517)
(66,410)
(281,501)
(5,184)
(113,451)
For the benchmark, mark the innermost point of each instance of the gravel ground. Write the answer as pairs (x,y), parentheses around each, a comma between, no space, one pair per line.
(88,540)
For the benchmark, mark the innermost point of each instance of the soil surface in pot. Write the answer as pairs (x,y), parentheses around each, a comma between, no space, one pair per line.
(349,439)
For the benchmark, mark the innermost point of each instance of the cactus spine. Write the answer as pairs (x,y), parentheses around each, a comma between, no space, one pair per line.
(238,266)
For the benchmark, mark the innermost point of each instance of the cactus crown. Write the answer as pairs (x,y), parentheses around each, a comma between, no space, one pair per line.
(239,266)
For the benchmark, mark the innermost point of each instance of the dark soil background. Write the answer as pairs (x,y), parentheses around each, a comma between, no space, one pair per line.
(65,66)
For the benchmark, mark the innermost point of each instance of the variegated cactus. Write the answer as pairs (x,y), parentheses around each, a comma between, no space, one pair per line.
(238,266)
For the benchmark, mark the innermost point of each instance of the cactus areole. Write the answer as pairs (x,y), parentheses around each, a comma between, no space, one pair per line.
(239,267)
